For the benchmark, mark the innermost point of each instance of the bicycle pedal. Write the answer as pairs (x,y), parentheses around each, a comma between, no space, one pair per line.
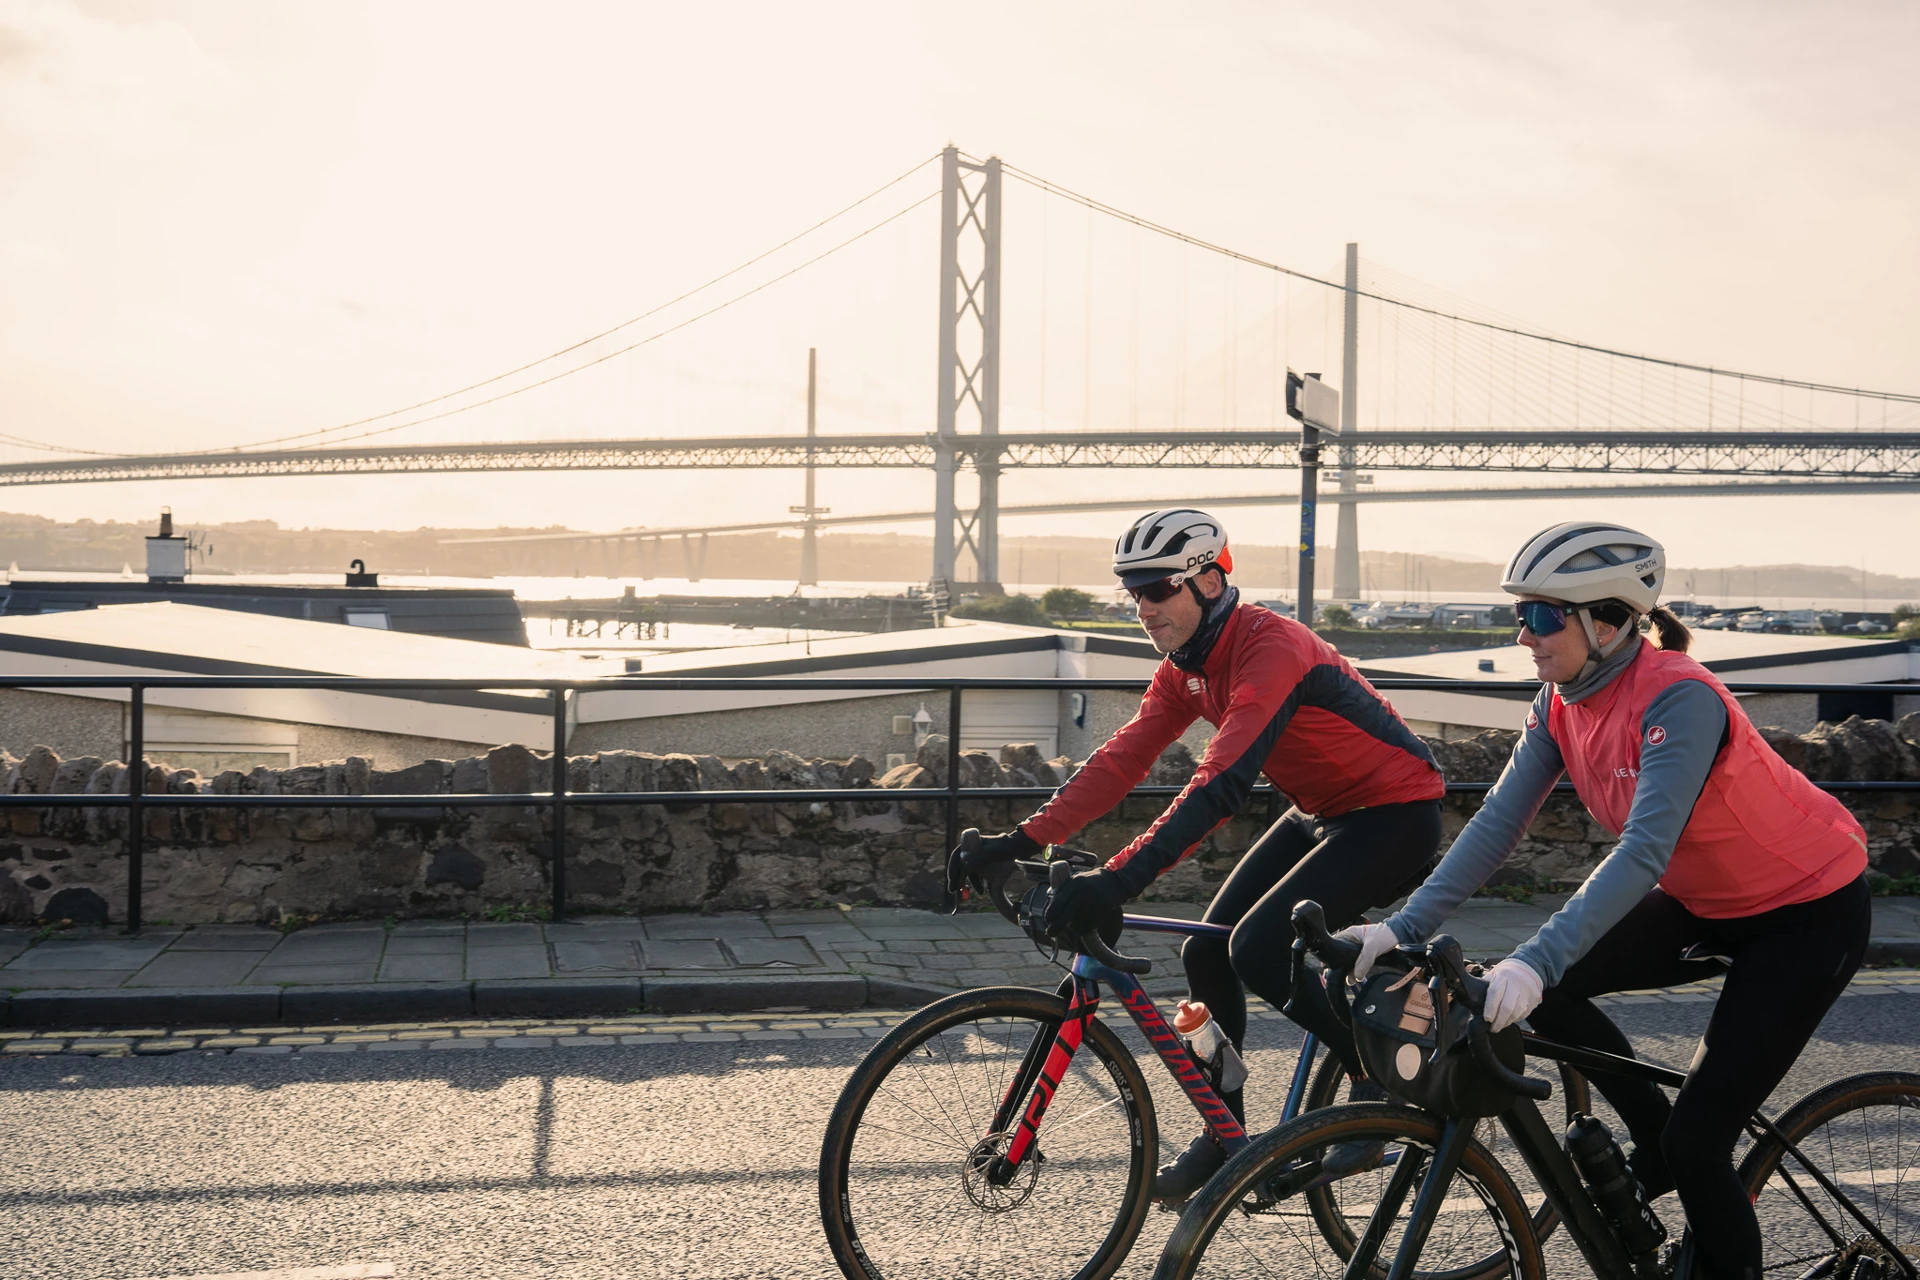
(1283,1186)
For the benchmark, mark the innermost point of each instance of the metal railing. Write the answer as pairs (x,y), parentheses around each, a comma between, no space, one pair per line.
(136,800)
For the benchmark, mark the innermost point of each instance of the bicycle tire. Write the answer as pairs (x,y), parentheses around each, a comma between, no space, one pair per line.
(889,1211)
(1215,1221)
(1325,1090)
(1863,1133)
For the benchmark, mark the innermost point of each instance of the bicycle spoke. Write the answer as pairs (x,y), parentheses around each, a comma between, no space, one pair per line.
(918,1194)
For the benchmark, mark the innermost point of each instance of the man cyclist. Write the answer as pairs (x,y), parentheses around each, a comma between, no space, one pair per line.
(1727,855)
(1364,828)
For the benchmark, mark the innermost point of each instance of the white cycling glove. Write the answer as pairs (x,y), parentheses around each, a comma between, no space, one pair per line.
(1375,941)
(1513,992)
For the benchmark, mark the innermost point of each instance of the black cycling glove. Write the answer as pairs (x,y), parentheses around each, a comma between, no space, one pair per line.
(1084,903)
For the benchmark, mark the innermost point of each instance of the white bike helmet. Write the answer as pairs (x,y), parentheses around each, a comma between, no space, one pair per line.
(1588,562)
(1169,541)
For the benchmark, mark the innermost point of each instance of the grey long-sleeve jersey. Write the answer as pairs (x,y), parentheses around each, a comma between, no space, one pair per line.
(1672,774)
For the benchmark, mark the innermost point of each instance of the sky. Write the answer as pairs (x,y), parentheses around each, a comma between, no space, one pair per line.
(228,223)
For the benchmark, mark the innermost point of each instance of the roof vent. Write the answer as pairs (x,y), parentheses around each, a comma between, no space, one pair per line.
(357,575)
(1486,664)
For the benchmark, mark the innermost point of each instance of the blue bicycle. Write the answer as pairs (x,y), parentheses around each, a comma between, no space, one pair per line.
(1009,1130)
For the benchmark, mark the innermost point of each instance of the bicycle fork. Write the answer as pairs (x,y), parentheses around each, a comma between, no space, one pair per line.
(1439,1168)
(1048,1057)
(1041,1070)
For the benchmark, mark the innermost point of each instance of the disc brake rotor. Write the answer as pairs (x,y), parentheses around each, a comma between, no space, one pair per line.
(982,1191)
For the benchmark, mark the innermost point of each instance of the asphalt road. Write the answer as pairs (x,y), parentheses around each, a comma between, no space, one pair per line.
(654,1160)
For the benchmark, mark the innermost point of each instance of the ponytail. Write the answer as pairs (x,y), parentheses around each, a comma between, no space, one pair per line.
(1668,631)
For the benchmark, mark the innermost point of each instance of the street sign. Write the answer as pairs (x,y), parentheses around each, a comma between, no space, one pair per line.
(1313,402)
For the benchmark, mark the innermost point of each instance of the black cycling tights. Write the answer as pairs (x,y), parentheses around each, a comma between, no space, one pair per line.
(1788,967)
(1358,860)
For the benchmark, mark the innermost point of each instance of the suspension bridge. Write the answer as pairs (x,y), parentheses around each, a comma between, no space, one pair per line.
(1453,389)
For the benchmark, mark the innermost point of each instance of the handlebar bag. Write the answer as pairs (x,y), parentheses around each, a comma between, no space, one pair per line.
(1393,1026)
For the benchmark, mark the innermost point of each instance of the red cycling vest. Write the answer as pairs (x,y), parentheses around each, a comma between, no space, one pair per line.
(1761,835)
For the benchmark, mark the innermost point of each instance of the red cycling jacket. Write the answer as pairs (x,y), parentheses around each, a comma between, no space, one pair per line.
(1284,702)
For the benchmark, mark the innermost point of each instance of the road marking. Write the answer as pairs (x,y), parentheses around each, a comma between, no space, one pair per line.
(353,1271)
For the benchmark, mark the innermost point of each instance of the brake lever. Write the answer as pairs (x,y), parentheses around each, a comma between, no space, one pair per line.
(959,882)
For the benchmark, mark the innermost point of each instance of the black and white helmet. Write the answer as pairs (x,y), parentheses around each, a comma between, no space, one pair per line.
(1169,541)
(1586,562)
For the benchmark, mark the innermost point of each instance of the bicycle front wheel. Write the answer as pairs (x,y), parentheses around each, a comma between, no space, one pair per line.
(1863,1135)
(1288,1206)
(903,1170)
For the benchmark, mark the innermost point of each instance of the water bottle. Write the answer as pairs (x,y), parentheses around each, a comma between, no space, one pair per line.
(1193,1022)
(1614,1186)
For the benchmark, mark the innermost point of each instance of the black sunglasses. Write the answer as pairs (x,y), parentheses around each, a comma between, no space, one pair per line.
(1542,617)
(1159,592)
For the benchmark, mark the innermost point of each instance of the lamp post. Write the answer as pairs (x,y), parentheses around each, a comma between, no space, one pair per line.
(1316,406)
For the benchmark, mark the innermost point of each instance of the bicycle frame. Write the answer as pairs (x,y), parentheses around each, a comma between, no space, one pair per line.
(1048,1058)
(1559,1180)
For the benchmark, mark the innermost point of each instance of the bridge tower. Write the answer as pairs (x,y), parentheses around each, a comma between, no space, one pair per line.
(1346,553)
(809,511)
(969,362)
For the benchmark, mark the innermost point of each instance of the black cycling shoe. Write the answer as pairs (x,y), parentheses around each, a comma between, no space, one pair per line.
(1180,1177)
(1344,1159)
(1649,1166)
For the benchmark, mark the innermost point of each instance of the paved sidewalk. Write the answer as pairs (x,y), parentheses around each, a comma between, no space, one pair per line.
(461,1035)
(827,959)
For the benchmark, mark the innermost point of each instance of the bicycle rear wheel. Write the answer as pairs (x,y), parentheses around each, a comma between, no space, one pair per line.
(1332,1087)
(1275,1210)
(1863,1134)
(902,1185)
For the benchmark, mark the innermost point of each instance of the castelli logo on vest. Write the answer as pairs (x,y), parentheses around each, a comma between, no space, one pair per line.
(1533,719)
(1656,736)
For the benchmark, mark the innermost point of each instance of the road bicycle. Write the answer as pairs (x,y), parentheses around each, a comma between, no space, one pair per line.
(1835,1180)
(1009,1128)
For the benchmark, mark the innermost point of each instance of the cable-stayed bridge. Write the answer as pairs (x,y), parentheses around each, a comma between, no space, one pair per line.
(1430,383)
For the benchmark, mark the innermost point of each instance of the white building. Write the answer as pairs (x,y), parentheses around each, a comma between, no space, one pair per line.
(1735,657)
(214,729)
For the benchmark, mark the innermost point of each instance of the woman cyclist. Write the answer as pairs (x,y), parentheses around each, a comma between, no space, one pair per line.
(1366,818)
(1727,856)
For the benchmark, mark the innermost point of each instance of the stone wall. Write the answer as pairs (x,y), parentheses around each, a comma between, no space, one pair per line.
(205,865)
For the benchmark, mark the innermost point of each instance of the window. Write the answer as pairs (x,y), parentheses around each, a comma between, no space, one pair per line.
(375,618)
(211,744)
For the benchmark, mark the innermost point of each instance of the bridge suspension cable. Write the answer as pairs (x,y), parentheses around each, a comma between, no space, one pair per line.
(1053,188)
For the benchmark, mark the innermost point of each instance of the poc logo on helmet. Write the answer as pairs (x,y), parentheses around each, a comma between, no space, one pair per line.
(1202,558)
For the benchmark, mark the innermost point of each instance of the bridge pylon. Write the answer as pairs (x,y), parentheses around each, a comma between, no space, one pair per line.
(1346,549)
(969,363)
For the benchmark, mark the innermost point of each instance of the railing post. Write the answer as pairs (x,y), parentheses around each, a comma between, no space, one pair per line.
(136,788)
(557,806)
(953,768)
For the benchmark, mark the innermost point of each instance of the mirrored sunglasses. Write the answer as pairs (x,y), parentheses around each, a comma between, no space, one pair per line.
(1542,617)
(1159,592)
